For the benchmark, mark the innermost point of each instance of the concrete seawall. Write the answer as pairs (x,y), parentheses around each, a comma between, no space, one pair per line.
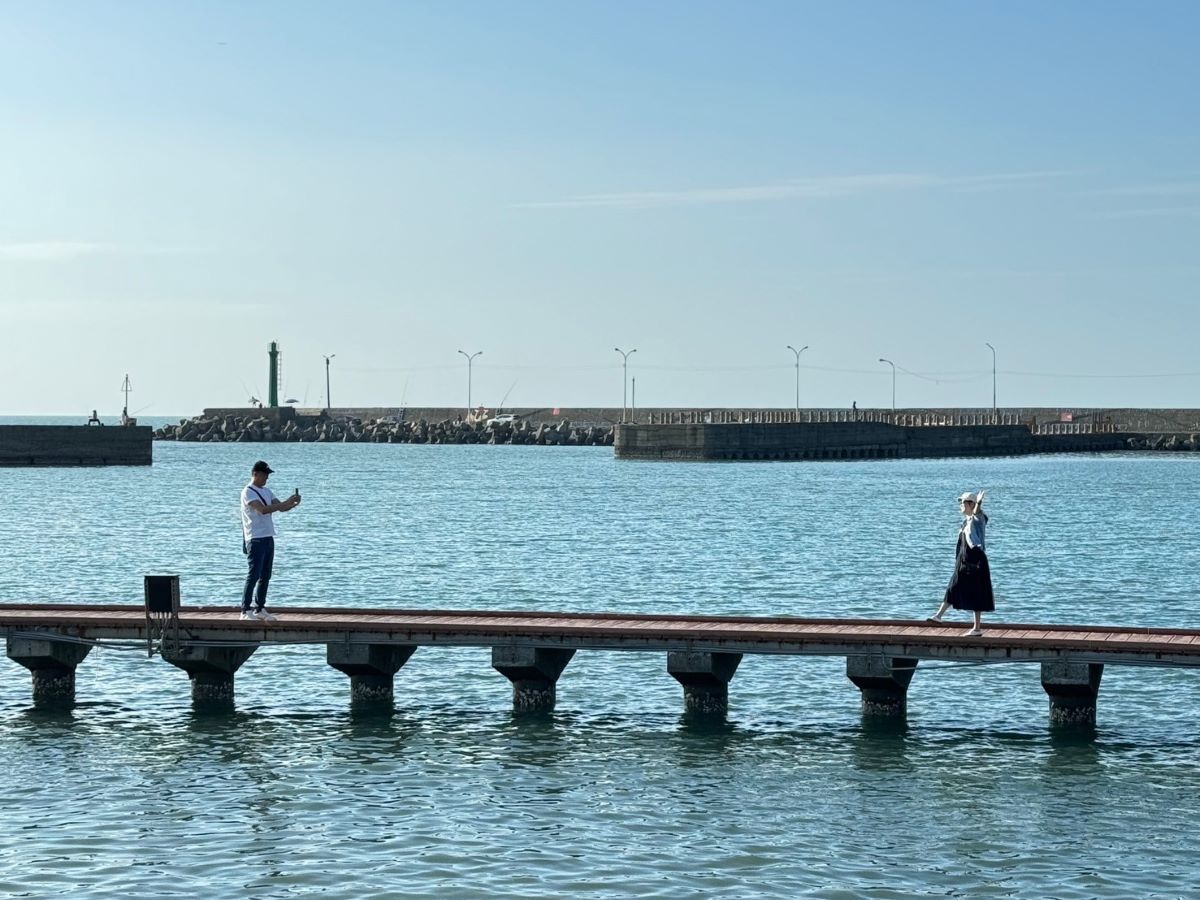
(76,445)
(846,440)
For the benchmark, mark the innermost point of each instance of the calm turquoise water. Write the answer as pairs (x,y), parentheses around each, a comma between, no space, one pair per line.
(134,795)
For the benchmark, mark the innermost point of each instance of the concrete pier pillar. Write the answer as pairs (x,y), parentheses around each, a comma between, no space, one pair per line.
(372,668)
(211,670)
(883,681)
(705,678)
(52,664)
(533,672)
(1072,688)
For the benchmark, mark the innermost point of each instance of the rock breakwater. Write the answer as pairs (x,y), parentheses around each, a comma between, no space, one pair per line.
(247,429)
(1168,443)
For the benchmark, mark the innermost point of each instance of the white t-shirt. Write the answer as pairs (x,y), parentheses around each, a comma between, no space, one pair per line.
(254,523)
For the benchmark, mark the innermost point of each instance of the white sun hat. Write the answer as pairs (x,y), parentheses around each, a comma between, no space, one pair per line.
(967,497)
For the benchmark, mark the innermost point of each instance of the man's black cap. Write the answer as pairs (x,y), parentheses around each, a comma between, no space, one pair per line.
(261,466)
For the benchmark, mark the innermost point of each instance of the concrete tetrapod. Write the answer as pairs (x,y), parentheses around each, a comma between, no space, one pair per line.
(372,668)
(52,664)
(533,672)
(705,678)
(1072,688)
(211,669)
(883,681)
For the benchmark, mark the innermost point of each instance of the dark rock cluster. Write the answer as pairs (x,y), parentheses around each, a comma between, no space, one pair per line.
(381,431)
(1165,442)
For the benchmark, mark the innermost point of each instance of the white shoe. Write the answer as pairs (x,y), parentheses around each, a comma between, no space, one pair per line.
(974,632)
(266,616)
(249,615)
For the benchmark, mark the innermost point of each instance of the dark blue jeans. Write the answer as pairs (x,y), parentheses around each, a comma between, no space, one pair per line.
(260,559)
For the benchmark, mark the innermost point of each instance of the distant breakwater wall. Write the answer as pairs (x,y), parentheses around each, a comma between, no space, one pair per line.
(76,445)
(1140,421)
(276,427)
(871,440)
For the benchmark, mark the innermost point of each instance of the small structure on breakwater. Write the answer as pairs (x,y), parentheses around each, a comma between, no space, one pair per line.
(532,649)
(76,445)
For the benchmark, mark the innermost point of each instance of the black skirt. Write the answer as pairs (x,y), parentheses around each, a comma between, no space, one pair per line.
(971,584)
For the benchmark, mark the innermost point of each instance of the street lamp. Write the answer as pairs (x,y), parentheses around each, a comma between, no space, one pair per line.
(470,358)
(328,405)
(893,365)
(993,349)
(625,380)
(797,352)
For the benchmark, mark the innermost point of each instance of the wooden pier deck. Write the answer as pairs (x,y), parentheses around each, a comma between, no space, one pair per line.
(532,648)
(624,631)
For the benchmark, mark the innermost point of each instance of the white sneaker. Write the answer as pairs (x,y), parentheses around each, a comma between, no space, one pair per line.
(266,616)
(974,632)
(249,615)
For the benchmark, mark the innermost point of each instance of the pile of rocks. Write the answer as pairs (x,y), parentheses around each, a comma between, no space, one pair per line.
(381,431)
(1167,442)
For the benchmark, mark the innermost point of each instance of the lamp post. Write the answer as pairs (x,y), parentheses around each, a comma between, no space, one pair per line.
(993,349)
(625,380)
(797,352)
(893,365)
(470,358)
(328,404)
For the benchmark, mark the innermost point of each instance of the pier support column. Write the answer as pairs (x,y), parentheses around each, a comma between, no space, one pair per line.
(705,678)
(1072,688)
(883,681)
(211,670)
(533,672)
(52,664)
(372,668)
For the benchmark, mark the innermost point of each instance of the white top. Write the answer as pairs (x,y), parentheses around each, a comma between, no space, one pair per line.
(254,523)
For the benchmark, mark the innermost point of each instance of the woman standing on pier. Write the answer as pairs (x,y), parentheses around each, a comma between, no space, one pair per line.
(971,584)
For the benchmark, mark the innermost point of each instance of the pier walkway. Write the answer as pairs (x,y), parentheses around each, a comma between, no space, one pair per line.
(532,648)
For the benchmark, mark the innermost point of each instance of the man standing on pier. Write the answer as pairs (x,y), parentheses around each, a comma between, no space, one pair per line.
(258,536)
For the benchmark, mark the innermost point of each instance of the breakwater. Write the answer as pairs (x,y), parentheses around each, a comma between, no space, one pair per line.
(867,440)
(283,425)
(76,445)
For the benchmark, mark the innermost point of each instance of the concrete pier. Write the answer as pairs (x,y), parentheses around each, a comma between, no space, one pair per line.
(1072,688)
(883,681)
(533,672)
(211,670)
(705,678)
(52,664)
(372,668)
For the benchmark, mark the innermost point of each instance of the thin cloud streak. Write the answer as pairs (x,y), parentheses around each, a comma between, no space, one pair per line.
(797,189)
(1153,212)
(51,251)
(1161,189)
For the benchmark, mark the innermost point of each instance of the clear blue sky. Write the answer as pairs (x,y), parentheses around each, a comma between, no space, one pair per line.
(707,182)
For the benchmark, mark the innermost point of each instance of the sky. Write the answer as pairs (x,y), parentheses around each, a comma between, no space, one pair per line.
(707,183)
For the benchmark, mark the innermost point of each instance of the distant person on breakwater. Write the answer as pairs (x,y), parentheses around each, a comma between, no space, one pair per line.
(971,584)
(258,539)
